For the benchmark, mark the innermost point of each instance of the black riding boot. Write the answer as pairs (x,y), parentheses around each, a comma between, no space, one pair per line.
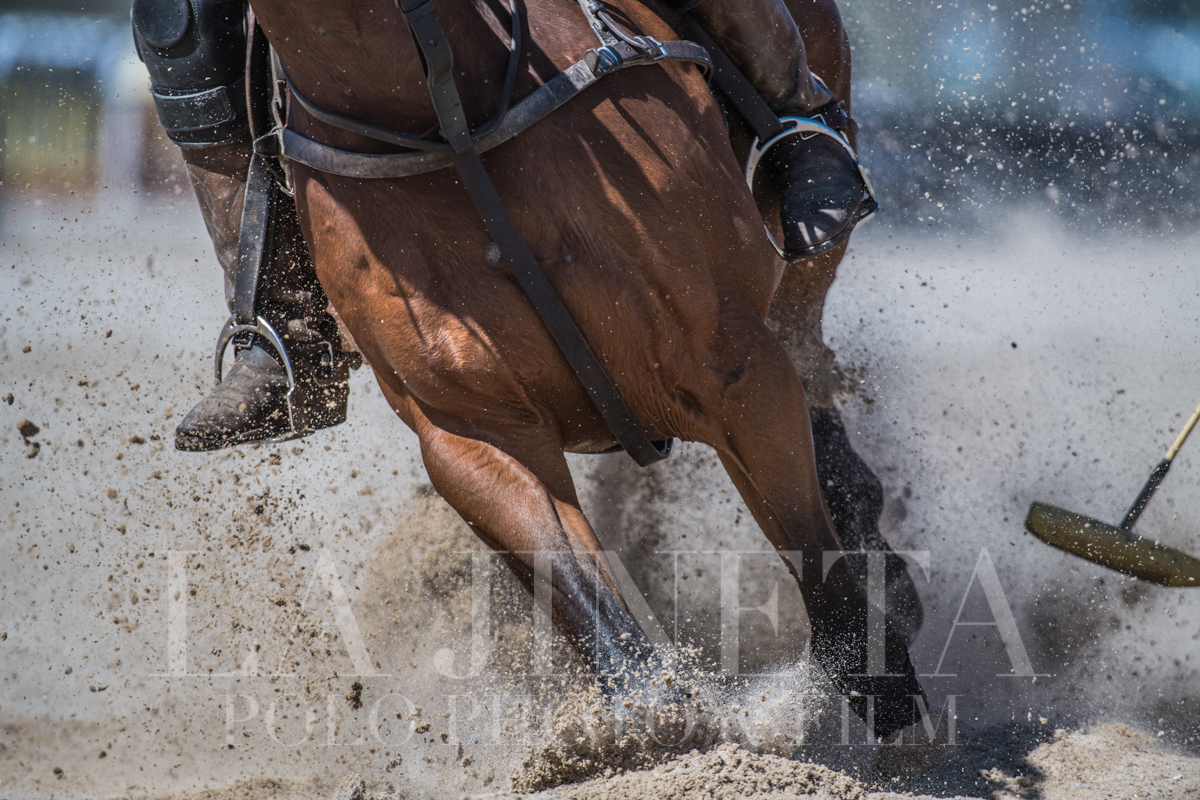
(820,188)
(252,402)
(195,53)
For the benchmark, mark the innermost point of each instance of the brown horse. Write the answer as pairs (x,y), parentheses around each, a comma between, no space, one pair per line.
(633,202)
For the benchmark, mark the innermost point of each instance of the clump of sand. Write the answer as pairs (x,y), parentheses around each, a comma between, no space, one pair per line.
(1111,760)
(727,772)
(1098,762)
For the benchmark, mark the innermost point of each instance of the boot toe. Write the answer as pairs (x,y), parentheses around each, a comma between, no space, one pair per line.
(812,223)
(217,422)
(820,191)
(249,405)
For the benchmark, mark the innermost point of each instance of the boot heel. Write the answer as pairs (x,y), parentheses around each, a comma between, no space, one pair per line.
(322,391)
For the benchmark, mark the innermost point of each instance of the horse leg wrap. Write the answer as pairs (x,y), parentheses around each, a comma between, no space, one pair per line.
(195,52)
(869,665)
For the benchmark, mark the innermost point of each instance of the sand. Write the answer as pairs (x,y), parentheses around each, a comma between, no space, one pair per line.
(724,773)
(1102,762)
(1105,761)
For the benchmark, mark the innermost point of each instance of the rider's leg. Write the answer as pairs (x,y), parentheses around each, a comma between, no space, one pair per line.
(819,184)
(195,54)
(218,176)
(251,402)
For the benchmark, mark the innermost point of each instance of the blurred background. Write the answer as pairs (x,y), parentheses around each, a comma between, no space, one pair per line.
(1088,106)
(75,113)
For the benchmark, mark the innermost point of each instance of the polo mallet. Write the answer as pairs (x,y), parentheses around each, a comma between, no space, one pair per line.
(1120,548)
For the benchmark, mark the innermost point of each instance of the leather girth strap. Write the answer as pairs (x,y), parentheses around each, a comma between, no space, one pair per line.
(438,62)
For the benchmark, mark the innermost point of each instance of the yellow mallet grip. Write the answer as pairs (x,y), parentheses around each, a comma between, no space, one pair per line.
(1183,434)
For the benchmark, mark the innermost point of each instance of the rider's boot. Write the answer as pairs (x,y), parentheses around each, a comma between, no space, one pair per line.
(195,54)
(251,403)
(821,190)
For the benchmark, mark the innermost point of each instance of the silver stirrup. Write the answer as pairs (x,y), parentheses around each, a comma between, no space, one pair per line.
(263,328)
(806,128)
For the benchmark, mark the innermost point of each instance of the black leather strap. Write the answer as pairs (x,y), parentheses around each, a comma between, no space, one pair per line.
(254,239)
(732,82)
(436,155)
(438,61)
(196,111)
(202,119)
(363,129)
(554,314)
(258,82)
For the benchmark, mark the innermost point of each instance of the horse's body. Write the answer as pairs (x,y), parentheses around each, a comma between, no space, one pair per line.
(633,202)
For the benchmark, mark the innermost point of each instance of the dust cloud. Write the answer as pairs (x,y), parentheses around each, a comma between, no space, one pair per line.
(263,621)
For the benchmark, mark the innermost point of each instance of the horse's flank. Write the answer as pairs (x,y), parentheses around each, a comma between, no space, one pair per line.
(629,196)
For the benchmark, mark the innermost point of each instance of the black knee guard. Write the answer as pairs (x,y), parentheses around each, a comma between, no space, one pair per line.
(195,51)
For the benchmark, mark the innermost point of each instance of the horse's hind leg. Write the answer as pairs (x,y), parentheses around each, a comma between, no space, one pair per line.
(766,446)
(516,493)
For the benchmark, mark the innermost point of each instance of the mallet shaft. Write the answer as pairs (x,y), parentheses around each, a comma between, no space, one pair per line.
(1157,474)
(1135,510)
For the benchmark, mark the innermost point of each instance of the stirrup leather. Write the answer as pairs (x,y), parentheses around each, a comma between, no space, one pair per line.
(806,128)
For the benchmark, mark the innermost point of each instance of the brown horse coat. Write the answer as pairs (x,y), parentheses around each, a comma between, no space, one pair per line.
(633,202)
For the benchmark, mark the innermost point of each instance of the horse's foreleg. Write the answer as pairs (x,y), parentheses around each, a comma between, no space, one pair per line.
(767,448)
(516,493)
(852,491)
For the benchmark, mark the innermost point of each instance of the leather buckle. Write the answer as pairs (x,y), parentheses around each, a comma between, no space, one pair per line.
(654,48)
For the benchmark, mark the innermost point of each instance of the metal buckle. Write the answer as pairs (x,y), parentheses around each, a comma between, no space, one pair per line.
(328,359)
(654,47)
(269,147)
(606,59)
(806,128)
(232,328)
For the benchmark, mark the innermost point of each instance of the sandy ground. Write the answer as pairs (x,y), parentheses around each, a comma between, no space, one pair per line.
(994,370)
(1105,761)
